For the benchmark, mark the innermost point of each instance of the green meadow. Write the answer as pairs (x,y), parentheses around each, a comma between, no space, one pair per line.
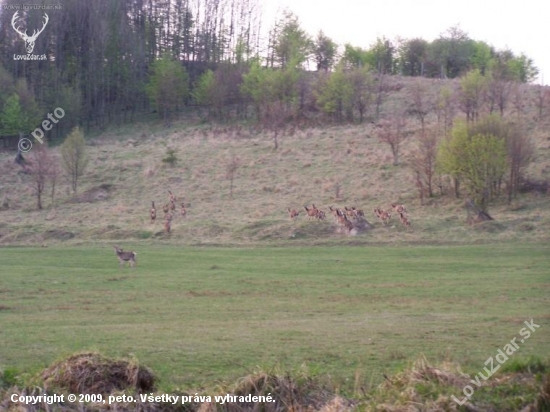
(198,316)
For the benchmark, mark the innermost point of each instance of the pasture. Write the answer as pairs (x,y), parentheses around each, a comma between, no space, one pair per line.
(199,316)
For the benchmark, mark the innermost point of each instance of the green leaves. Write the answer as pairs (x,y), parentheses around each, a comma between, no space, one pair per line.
(479,160)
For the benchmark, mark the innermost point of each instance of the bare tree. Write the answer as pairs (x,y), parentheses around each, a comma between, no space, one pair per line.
(392,131)
(40,166)
(420,105)
(542,99)
(518,98)
(521,152)
(423,162)
(445,108)
(230,171)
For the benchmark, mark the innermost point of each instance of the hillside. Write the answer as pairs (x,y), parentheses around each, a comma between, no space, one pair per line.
(327,165)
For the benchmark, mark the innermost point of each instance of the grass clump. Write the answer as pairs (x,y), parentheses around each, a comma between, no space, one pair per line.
(92,373)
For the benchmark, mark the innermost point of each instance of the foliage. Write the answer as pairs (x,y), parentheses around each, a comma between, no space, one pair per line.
(171,157)
(74,157)
(478,160)
(168,85)
(325,51)
(12,119)
(290,46)
(472,94)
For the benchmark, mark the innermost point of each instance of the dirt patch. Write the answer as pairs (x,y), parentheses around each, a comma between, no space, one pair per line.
(93,373)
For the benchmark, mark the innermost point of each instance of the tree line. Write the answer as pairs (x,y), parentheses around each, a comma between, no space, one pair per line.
(107,62)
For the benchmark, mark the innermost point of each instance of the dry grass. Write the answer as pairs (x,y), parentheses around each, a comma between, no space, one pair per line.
(333,165)
(92,373)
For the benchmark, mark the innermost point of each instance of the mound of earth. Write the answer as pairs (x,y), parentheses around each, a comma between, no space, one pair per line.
(92,373)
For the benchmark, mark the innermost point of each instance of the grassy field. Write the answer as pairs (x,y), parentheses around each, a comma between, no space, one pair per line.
(198,316)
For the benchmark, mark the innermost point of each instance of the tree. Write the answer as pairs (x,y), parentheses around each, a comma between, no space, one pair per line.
(478,160)
(168,86)
(73,156)
(412,57)
(423,159)
(12,118)
(290,44)
(42,167)
(472,94)
(420,106)
(325,52)
(392,131)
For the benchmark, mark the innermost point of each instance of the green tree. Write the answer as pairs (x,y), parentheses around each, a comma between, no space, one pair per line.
(334,94)
(290,44)
(478,160)
(168,86)
(472,94)
(412,57)
(73,156)
(325,52)
(12,118)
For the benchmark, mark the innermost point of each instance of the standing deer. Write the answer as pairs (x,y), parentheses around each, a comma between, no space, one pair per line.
(183,210)
(293,213)
(153,212)
(168,223)
(123,257)
(29,40)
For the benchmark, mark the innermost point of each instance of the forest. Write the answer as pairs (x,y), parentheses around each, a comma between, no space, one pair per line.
(109,62)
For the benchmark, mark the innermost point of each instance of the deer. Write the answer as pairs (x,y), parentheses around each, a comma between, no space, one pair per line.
(29,40)
(399,209)
(321,215)
(166,208)
(293,213)
(172,197)
(153,212)
(350,212)
(311,212)
(168,223)
(183,210)
(382,215)
(172,206)
(123,257)
(358,213)
(406,222)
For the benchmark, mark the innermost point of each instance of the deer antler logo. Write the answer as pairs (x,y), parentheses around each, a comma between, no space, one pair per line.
(29,40)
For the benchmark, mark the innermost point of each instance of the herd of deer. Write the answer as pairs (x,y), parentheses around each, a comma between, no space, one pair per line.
(344,217)
(169,211)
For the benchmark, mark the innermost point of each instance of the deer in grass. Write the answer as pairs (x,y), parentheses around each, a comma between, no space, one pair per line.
(183,210)
(293,213)
(124,257)
(382,215)
(406,222)
(172,206)
(321,215)
(172,197)
(311,212)
(166,208)
(168,223)
(153,212)
(399,209)
(358,212)
(350,212)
